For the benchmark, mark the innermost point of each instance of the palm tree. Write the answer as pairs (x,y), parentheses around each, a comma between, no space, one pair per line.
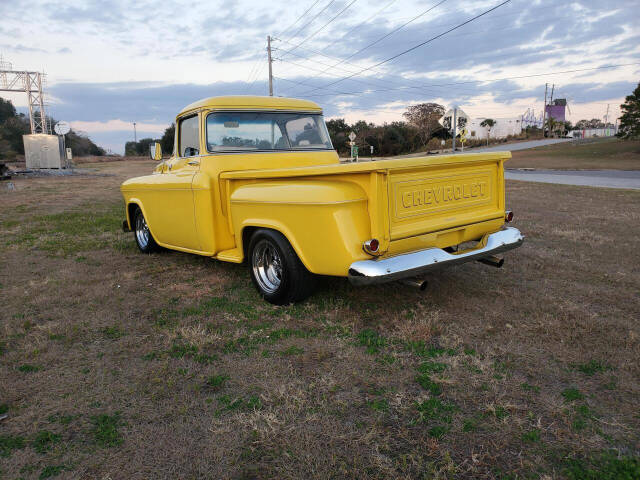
(489,124)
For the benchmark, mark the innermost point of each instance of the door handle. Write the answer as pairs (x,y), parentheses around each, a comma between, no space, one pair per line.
(193,163)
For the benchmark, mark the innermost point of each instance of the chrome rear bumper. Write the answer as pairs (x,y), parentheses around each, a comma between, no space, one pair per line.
(368,272)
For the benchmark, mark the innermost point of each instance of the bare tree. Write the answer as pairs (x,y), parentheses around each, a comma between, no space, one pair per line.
(424,117)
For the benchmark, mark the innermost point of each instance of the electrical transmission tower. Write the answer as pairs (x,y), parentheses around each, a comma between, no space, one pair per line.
(31,83)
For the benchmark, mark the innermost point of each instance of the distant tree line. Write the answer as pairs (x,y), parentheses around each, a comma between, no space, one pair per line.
(141,147)
(420,131)
(14,125)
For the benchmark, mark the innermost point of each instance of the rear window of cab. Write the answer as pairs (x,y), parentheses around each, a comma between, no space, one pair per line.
(260,131)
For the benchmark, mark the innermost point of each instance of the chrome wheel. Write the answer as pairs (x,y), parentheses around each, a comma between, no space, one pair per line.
(142,231)
(267,266)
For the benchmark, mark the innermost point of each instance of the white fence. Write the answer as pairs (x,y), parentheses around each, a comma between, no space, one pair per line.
(593,132)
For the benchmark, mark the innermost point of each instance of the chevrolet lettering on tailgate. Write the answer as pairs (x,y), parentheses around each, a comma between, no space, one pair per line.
(437,194)
(256,180)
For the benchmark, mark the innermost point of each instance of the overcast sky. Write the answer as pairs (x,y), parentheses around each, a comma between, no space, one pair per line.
(110,63)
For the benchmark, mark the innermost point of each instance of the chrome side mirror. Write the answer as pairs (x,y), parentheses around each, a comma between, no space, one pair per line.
(155,151)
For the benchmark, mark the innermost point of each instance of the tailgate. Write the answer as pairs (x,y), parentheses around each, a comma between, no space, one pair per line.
(435,197)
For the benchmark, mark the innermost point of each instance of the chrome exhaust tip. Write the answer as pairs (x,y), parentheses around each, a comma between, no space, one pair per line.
(415,283)
(492,260)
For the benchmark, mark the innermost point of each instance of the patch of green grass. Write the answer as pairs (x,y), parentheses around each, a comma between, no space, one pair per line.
(9,443)
(61,419)
(151,356)
(44,441)
(602,466)
(166,318)
(216,382)
(379,404)
(113,332)
(432,367)
(27,368)
(28,468)
(371,339)
(583,415)
(434,409)
(52,471)
(438,431)
(56,336)
(248,344)
(579,424)
(592,367)
(385,359)
(105,429)
(71,232)
(227,403)
(530,388)
(4,408)
(420,348)
(205,358)
(182,350)
(500,412)
(532,436)
(470,424)
(572,394)
(292,350)
(222,304)
(425,382)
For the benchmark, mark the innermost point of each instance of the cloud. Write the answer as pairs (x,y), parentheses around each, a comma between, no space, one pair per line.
(143,61)
(19,48)
(116,126)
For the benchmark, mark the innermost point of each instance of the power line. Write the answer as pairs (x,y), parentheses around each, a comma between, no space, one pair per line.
(392,32)
(362,23)
(325,25)
(402,78)
(486,80)
(312,19)
(419,45)
(306,67)
(299,18)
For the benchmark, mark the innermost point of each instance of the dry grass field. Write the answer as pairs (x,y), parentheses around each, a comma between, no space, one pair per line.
(592,154)
(118,365)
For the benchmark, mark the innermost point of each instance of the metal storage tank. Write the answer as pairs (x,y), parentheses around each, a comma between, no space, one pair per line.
(43,151)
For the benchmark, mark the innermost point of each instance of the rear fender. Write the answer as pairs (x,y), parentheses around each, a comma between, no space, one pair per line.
(325,221)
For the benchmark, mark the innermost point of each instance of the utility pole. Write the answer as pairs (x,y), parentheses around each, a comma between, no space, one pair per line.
(553,86)
(135,134)
(544,108)
(455,127)
(270,62)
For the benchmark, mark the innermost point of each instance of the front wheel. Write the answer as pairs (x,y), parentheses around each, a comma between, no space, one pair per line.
(276,270)
(141,231)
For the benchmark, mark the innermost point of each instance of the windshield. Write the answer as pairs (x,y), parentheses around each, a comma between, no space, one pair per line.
(246,131)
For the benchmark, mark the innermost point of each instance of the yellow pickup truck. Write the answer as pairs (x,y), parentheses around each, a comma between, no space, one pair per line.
(257,179)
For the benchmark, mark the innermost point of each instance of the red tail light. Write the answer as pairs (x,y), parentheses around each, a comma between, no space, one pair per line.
(371,246)
(508,216)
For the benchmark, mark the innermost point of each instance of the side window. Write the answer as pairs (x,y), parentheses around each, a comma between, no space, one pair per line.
(189,138)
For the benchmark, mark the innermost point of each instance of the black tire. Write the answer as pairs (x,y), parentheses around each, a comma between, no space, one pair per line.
(290,282)
(142,234)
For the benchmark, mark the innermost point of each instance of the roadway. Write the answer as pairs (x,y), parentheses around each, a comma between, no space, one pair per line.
(511,147)
(629,179)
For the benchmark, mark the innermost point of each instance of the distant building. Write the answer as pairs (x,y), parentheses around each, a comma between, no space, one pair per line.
(502,129)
